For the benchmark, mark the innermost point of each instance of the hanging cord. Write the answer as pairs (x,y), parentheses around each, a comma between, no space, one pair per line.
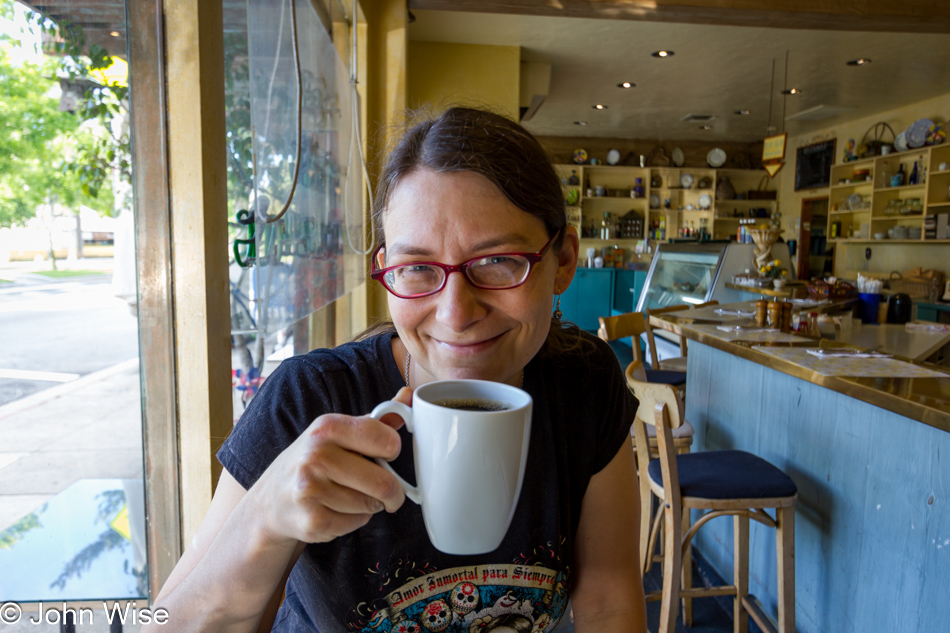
(357,139)
(299,78)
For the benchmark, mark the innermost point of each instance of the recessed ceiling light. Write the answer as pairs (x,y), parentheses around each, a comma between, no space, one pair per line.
(792,91)
(114,34)
(626,84)
(663,54)
(599,106)
(705,127)
(859,62)
(743,112)
(580,122)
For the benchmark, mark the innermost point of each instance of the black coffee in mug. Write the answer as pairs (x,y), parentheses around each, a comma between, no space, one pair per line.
(474,404)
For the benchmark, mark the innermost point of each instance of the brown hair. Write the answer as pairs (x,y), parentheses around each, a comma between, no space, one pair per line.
(480,141)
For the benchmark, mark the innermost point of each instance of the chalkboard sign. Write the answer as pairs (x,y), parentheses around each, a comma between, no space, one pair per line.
(813,165)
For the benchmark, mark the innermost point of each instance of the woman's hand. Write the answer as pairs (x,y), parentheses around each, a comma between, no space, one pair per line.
(322,486)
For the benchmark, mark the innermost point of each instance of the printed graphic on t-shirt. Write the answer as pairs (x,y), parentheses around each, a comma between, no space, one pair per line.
(476,599)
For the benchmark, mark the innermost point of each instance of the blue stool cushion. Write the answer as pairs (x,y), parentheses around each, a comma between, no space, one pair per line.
(666,377)
(727,475)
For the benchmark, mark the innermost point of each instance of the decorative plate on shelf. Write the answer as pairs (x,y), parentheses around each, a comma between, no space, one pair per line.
(686,181)
(705,201)
(678,157)
(579,156)
(917,133)
(936,134)
(855,201)
(613,157)
(572,197)
(654,201)
(900,142)
(716,157)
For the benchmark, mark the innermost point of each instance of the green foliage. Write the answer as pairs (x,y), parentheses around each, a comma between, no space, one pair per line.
(47,155)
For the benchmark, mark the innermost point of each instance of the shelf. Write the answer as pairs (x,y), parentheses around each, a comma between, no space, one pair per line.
(756,202)
(939,204)
(864,240)
(901,188)
(846,185)
(940,173)
(850,212)
(627,199)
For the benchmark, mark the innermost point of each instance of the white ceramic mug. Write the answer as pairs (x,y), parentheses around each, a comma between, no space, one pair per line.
(469,464)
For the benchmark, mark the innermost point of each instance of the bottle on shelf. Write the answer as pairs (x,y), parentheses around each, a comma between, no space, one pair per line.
(587,189)
(900,172)
(605,227)
(573,179)
(912,180)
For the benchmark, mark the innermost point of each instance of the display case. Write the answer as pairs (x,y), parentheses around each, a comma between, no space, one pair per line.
(681,273)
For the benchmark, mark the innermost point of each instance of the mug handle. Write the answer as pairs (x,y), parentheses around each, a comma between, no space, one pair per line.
(390,406)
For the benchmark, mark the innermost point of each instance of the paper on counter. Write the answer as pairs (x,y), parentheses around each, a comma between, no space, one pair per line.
(877,367)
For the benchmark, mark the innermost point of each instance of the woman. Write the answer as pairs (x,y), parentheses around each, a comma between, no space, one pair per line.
(469,192)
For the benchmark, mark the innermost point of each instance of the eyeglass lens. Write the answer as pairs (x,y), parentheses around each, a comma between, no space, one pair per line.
(495,271)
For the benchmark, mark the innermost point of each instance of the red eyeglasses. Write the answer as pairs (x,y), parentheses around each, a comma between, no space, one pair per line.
(498,271)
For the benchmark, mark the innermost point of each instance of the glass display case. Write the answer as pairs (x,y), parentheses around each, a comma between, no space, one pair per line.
(681,274)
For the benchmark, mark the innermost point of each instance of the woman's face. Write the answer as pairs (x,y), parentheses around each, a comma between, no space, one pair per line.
(464,331)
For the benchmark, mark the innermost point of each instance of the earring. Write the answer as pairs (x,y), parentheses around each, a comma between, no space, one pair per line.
(557,308)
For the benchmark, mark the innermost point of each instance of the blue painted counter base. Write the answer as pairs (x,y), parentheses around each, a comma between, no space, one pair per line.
(873,515)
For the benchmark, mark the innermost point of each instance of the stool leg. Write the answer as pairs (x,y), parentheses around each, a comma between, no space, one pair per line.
(687,580)
(785,551)
(672,564)
(740,617)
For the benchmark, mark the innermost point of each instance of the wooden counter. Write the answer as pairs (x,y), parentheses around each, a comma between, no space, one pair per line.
(925,400)
(872,524)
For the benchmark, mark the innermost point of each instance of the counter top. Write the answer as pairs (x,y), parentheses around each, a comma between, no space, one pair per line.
(925,399)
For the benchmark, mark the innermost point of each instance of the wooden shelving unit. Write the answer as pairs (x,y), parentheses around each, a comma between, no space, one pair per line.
(722,216)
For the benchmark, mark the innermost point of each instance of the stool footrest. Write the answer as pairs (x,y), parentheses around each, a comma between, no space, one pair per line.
(751,605)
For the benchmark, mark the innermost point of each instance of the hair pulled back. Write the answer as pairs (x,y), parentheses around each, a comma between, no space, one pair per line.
(466,139)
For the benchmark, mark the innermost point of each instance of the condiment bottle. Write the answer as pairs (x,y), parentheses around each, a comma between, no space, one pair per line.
(760,308)
(786,316)
(813,325)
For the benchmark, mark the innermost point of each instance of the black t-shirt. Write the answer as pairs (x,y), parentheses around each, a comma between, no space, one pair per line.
(387,576)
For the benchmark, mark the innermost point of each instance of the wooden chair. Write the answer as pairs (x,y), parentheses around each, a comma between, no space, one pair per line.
(670,364)
(717,483)
(633,324)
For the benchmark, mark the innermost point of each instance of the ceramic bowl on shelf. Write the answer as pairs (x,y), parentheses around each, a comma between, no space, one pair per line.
(613,157)
(880,236)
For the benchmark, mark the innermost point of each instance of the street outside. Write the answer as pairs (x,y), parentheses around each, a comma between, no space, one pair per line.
(70,399)
(58,330)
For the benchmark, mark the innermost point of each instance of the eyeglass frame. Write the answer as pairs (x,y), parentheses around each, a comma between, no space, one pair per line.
(448,269)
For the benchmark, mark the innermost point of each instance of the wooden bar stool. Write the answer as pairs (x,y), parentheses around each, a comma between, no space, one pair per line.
(633,324)
(670,364)
(718,483)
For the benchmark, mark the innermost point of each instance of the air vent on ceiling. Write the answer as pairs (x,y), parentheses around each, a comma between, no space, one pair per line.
(818,113)
(698,118)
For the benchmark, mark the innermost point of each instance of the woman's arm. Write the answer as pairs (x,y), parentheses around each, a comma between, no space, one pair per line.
(319,488)
(608,590)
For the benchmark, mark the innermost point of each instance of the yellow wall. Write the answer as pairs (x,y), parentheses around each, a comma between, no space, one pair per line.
(440,74)
(885,257)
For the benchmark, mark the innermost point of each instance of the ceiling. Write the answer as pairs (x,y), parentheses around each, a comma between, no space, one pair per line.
(716,70)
